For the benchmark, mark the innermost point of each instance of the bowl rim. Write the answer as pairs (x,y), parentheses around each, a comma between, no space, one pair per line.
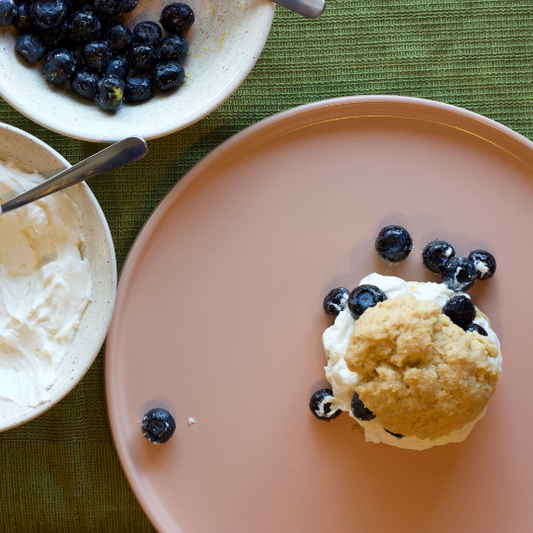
(101,136)
(33,412)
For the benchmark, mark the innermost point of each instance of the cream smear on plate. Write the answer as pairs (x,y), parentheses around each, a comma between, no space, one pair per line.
(45,287)
(336,339)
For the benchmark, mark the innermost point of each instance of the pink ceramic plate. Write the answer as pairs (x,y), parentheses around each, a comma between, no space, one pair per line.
(219,319)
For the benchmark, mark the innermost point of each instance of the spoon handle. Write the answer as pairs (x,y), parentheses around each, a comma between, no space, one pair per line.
(114,156)
(312,9)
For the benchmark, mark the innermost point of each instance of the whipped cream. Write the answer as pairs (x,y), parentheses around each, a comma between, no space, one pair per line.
(343,381)
(45,287)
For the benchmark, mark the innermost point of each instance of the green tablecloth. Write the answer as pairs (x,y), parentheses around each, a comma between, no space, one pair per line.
(60,472)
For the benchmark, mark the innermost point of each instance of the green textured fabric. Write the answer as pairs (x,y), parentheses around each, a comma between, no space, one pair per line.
(60,472)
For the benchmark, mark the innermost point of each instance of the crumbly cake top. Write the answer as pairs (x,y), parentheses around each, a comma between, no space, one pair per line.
(422,375)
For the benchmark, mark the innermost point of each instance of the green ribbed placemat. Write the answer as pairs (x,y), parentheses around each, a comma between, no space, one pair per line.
(60,472)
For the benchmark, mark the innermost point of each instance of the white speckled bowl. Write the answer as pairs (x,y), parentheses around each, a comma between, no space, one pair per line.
(30,154)
(224,44)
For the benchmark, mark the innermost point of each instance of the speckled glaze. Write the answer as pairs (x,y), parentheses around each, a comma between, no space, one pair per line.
(225,43)
(30,154)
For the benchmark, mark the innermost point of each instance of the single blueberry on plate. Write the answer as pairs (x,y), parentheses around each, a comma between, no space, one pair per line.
(477,328)
(177,18)
(96,54)
(84,26)
(459,274)
(363,297)
(147,32)
(168,75)
(435,254)
(173,48)
(359,410)
(49,14)
(8,12)
(110,93)
(59,65)
(460,310)
(119,37)
(30,47)
(138,87)
(117,66)
(484,262)
(85,83)
(335,301)
(393,244)
(323,410)
(158,425)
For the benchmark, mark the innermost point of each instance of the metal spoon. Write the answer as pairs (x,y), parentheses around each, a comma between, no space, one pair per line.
(114,156)
(312,9)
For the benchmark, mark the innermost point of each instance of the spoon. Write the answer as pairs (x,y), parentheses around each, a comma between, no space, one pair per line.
(312,9)
(114,156)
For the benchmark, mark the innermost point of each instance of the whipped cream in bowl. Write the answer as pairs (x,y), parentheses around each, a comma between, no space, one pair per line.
(57,282)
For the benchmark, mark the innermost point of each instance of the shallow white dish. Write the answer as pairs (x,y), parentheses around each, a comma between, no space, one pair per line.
(30,154)
(225,42)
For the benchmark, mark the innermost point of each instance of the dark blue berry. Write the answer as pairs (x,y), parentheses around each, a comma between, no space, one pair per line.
(49,14)
(477,328)
(110,93)
(169,75)
(173,48)
(147,32)
(177,18)
(30,47)
(484,262)
(459,274)
(326,413)
(84,26)
(96,54)
(117,66)
(8,12)
(359,410)
(336,301)
(85,83)
(142,57)
(56,37)
(158,425)
(460,309)
(138,87)
(119,37)
(23,22)
(59,65)
(435,254)
(107,9)
(363,297)
(129,5)
(397,435)
(393,244)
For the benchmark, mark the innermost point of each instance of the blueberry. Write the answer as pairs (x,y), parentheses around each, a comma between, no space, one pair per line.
(336,301)
(147,32)
(158,425)
(138,87)
(110,93)
(97,54)
(393,244)
(129,5)
(59,65)
(85,83)
(49,14)
(173,48)
(435,254)
(142,57)
(56,37)
(460,309)
(326,413)
(169,75)
(363,297)
(23,22)
(117,66)
(397,435)
(459,274)
(177,18)
(30,47)
(484,262)
(84,26)
(119,37)
(477,328)
(8,12)
(359,410)
(108,8)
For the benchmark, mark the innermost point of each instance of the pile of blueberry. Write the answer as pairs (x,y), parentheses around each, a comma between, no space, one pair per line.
(84,43)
